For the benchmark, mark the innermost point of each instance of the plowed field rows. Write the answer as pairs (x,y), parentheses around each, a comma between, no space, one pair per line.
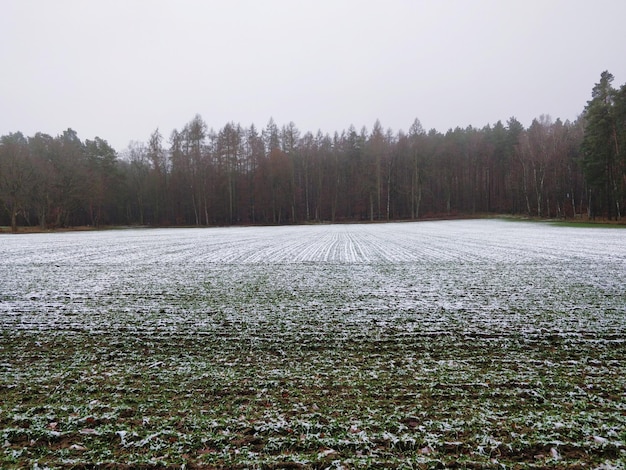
(463,343)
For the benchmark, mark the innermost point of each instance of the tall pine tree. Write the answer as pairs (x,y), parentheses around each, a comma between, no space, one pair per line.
(601,150)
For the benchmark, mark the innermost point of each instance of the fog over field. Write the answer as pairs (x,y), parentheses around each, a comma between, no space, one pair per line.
(480,342)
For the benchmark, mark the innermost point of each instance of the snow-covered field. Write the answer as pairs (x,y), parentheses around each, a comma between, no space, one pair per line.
(482,342)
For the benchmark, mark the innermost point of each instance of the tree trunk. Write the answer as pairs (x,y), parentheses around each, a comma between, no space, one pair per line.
(14,221)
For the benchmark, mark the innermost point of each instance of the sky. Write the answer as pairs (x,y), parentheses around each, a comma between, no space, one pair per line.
(120,69)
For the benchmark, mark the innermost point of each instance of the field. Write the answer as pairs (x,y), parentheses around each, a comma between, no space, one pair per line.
(475,344)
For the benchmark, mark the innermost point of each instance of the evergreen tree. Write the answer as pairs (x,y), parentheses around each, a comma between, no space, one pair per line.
(601,150)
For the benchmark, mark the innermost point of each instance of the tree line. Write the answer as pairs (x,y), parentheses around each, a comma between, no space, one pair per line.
(280,175)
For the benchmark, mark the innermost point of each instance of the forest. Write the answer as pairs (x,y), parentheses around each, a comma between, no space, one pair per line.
(198,176)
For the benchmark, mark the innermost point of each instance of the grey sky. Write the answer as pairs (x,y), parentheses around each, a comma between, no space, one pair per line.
(118,69)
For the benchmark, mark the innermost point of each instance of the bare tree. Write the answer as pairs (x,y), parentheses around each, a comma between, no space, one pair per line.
(15,175)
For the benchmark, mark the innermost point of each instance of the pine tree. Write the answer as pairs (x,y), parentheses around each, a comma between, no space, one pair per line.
(601,150)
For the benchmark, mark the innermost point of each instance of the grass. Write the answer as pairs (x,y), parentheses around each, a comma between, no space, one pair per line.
(589,224)
(313,365)
(378,401)
(572,223)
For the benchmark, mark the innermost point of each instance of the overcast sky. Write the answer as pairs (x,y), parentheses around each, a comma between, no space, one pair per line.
(118,69)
